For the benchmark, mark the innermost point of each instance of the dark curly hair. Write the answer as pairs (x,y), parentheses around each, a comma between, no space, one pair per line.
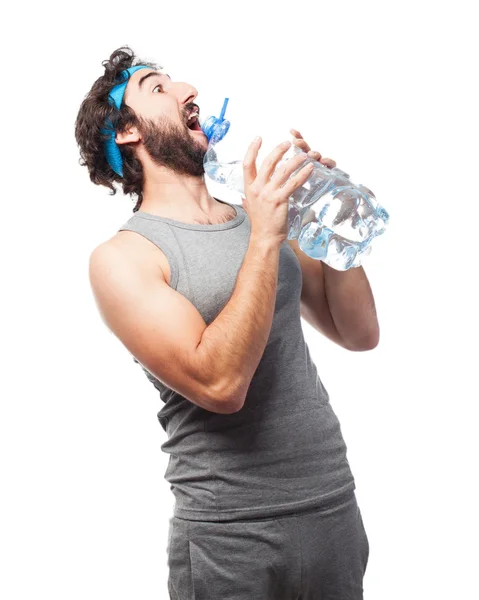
(94,110)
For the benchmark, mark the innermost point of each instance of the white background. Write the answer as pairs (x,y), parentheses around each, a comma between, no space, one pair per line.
(389,91)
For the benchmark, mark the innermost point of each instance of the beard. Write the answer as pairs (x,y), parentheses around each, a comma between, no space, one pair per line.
(171,146)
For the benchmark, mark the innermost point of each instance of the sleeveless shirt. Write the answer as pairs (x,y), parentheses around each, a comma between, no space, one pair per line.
(283,451)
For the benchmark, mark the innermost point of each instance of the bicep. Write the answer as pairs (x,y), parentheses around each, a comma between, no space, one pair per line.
(157,325)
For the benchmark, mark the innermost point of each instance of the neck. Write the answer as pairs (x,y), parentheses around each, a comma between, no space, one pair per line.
(170,195)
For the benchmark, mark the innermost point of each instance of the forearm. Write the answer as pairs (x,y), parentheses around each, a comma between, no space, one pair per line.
(352,307)
(235,341)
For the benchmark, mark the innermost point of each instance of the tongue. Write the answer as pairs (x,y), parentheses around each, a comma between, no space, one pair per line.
(194,125)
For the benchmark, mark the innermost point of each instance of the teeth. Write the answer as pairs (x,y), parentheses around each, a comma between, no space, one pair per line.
(193,115)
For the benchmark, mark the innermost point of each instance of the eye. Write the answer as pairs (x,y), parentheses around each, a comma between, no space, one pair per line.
(158,86)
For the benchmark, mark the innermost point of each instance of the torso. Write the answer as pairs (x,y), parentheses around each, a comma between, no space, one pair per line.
(149,256)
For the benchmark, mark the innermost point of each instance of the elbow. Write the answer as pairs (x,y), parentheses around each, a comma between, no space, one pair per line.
(229,409)
(226,407)
(226,398)
(366,343)
(236,393)
(223,408)
(232,403)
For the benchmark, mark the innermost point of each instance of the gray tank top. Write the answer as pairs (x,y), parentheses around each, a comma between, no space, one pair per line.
(283,452)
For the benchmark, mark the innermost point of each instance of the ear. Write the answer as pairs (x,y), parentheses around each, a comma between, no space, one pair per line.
(129,135)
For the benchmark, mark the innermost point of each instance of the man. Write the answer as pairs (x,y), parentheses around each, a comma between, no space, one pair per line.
(207,297)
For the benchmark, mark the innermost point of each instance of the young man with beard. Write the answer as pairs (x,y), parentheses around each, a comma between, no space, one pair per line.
(207,297)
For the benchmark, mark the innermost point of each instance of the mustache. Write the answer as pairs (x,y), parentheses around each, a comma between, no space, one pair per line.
(189,108)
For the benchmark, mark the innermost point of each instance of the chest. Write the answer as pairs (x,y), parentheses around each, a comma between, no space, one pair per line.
(208,277)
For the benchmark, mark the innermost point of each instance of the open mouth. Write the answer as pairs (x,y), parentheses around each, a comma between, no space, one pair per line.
(193,123)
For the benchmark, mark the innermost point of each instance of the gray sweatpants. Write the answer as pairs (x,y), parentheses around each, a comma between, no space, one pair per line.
(320,554)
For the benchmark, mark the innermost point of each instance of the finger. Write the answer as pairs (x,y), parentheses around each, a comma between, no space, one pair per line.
(296,133)
(249,161)
(282,174)
(270,162)
(314,154)
(297,180)
(302,144)
(329,162)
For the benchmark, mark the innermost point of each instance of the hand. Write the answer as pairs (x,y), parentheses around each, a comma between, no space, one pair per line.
(268,190)
(301,143)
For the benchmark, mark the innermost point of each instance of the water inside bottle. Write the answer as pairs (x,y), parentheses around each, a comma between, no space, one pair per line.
(229,174)
(346,216)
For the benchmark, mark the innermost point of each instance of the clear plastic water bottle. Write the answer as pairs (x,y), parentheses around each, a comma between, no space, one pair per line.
(333,219)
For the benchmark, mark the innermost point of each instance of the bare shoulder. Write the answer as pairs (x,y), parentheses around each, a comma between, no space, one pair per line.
(138,251)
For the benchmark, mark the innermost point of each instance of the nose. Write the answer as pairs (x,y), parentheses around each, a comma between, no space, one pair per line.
(185,92)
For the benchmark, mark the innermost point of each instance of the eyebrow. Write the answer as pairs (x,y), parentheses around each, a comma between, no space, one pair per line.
(151,74)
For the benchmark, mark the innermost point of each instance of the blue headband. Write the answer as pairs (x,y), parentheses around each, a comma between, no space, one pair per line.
(115,98)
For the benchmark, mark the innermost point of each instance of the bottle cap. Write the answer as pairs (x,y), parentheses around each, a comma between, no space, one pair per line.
(215,128)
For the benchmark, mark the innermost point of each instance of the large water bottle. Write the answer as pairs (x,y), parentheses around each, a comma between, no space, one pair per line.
(333,219)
